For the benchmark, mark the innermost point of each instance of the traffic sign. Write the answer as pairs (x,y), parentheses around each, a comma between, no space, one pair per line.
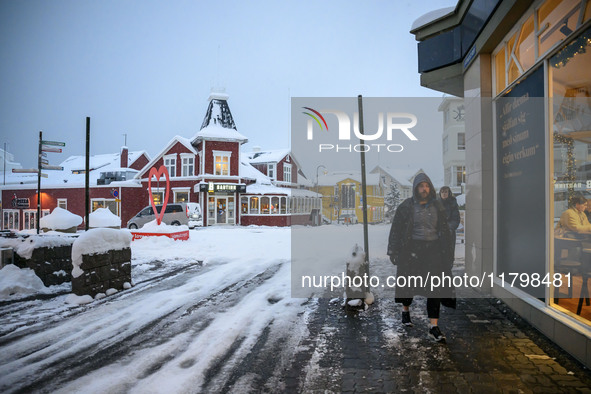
(43,154)
(44,175)
(48,167)
(55,143)
(46,148)
(44,161)
(25,170)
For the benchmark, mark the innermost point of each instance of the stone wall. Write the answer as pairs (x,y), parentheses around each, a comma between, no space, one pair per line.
(52,264)
(103,271)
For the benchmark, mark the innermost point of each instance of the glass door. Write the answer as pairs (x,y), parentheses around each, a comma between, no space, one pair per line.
(221,210)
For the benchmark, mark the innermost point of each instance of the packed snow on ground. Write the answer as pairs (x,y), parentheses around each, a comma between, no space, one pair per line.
(15,281)
(60,219)
(204,321)
(103,217)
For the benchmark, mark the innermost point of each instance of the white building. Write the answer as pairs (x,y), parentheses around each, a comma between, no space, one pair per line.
(454,143)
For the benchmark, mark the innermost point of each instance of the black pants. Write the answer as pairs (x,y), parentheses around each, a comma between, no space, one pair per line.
(433,306)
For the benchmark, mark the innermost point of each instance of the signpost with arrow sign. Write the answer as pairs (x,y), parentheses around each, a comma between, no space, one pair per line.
(43,163)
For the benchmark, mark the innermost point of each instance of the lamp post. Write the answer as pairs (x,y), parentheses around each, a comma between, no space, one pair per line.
(317,168)
(321,207)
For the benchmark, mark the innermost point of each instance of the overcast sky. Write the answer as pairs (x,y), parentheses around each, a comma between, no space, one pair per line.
(146,68)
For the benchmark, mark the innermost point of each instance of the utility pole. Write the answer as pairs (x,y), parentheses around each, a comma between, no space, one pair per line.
(363,182)
(39,162)
(87,174)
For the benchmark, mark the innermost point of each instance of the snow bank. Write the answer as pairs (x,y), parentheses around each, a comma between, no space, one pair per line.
(60,219)
(16,281)
(98,240)
(103,217)
(163,228)
(24,246)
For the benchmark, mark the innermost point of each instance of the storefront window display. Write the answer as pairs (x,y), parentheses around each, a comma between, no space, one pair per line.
(570,119)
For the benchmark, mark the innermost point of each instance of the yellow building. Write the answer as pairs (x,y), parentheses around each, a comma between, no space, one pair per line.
(342,197)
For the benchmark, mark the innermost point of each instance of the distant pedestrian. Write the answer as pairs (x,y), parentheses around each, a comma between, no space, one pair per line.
(420,245)
(452,212)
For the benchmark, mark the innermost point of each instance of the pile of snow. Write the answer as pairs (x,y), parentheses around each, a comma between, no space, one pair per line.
(95,241)
(162,228)
(103,217)
(16,281)
(24,246)
(60,219)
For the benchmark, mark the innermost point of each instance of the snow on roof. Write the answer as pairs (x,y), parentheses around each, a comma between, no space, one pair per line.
(401,175)
(249,172)
(74,167)
(431,17)
(177,138)
(269,156)
(217,132)
(270,189)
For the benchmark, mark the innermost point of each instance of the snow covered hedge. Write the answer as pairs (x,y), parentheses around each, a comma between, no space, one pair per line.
(60,220)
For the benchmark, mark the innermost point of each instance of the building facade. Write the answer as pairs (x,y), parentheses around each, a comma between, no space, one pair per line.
(454,143)
(522,68)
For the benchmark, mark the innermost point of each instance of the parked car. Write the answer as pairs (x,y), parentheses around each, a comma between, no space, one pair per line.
(175,214)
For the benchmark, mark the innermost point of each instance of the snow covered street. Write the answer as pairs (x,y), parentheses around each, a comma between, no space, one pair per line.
(216,314)
(197,307)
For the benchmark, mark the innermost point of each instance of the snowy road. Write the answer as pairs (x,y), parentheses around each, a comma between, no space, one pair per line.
(210,314)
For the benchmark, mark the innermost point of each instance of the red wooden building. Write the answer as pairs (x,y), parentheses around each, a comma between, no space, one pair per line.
(233,188)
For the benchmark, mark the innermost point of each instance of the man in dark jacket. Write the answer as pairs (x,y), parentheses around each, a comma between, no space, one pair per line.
(420,245)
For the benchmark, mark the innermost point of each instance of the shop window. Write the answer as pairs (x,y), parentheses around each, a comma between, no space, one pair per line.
(231,204)
(555,20)
(254,205)
(211,211)
(265,205)
(283,207)
(11,219)
(221,162)
(62,203)
(170,164)
(181,196)
(274,205)
(188,165)
(244,205)
(157,196)
(111,204)
(570,117)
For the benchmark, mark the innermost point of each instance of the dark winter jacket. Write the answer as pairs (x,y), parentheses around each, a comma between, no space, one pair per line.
(452,212)
(402,228)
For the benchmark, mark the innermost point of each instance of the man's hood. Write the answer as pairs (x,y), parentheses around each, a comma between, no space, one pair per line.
(422,177)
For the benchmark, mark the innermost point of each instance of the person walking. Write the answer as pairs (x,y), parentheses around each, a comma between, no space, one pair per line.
(452,212)
(419,245)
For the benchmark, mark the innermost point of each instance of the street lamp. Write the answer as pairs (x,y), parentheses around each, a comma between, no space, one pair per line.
(317,168)
(321,207)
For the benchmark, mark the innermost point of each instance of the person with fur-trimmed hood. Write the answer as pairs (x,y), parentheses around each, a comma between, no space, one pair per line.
(420,245)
